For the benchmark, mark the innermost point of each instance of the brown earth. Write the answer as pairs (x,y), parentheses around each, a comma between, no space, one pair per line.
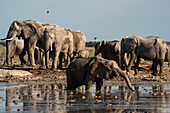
(18,73)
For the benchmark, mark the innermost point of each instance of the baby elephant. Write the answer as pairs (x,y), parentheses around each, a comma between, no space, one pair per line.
(86,71)
(83,53)
(14,48)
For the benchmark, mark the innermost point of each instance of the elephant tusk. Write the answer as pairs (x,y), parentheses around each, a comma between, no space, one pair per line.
(3,39)
(8,38)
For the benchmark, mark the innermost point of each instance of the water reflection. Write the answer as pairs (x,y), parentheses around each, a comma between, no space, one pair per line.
(115,98)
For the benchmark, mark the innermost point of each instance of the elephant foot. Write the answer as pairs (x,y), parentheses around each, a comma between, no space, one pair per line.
(42,67)
(59,67)
(160,74)
(155,74)
(53,69)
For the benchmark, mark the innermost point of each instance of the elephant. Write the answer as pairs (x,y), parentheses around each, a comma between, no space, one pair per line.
(110,50)
(149,48)
(32,32)
(79,41)
(83,53)
(16,47)
(60,41)
(86,71)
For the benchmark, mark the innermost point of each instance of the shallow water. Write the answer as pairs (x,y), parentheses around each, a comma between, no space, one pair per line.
(116,97)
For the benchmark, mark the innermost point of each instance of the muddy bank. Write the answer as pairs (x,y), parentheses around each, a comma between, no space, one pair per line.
(23,74)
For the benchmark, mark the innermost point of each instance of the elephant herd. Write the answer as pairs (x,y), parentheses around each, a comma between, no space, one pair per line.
(45,41)
(41,41)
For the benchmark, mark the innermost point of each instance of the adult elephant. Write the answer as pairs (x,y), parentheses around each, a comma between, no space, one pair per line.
(32,32)
(110,50)
(149,48)
(59,41)
(79,41)
(86,71)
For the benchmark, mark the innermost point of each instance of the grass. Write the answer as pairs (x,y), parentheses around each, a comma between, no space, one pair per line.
(91,51)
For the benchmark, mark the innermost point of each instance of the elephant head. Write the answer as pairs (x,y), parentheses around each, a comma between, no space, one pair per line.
(98,47)
(128,44)
(106,69)
(22,29)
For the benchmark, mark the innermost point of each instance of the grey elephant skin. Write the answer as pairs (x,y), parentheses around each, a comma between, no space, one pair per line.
(32,32)
(110,50)
(86,71)
(79,41)
(149,48)
(59,41)
(16,49)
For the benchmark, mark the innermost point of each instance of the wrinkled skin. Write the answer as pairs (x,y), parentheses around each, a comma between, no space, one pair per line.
(83,53)
(86,71)
(79,41)
(110,50)
(32,32)
(16,47)
(149,48)
(59,41)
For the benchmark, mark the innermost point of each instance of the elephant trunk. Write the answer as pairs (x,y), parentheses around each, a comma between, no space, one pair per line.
(126,79)
(46,53)
(122,59)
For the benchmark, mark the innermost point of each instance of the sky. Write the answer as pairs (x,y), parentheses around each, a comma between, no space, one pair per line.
(104,19)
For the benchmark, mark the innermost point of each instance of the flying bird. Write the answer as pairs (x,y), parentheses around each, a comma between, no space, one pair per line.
(48,11)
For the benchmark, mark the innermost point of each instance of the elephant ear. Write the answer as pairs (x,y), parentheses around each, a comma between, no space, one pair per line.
(29,30)
(98,69)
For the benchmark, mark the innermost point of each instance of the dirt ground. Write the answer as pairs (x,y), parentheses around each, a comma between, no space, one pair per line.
(39,75)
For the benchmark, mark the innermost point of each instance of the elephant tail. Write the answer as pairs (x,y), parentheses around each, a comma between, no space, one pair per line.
(126,79)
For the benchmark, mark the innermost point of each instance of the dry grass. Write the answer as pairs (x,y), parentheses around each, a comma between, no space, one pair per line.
(91,51)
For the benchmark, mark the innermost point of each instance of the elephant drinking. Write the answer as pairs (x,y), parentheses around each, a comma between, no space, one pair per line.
(86,71)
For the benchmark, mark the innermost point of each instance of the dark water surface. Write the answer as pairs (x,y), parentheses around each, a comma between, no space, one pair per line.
(116,98)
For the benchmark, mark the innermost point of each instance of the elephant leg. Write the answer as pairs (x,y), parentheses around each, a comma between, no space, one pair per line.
(60,60)
(99,85)
(11,60)
(74,54)
(89,85)
(161,63)
(155,70)
(31,49)
(31,54)
(137,66)
(54,64)
(21,57)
